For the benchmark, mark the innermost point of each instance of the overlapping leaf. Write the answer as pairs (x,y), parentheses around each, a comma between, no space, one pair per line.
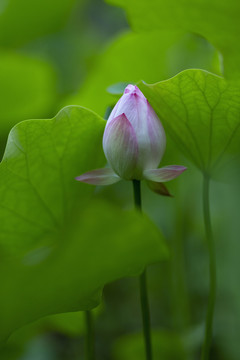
(134,57)
(58,248)
(166,345)
(24,20)
(28,88)
(216,20)
(202,113)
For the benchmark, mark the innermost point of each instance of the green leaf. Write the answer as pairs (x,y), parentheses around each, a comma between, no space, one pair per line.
(166,345)
(28,89)
(71,324)
(117,89)
(24,20)
(201,112)
(216,20)
(133,57)
(59,248)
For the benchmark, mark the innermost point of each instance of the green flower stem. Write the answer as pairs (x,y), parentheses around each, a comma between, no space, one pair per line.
(212,270)
(89,346)
(143,284)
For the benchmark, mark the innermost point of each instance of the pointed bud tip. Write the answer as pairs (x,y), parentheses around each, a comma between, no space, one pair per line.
(183,168)
(164,174)
(133,90)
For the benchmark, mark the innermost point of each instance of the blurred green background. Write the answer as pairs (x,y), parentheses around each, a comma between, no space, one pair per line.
(68,52)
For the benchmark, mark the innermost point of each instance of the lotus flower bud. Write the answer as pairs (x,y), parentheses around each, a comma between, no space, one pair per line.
(133,142)
(134,139)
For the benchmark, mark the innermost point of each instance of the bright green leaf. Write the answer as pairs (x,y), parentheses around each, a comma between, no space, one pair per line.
(149,57)
(24,20)
(216,20)
(201,112)
(28,89)
(166,345)
(71,324)
(58,248)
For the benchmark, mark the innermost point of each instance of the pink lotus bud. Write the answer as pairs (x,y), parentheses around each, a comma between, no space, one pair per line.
(133,142)
(134,139)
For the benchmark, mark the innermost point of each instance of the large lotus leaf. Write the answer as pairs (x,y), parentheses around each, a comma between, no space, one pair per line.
(149,57)
(201,111)
(28,89)
(216,20)
(24,20)
(58,248)
(71,324)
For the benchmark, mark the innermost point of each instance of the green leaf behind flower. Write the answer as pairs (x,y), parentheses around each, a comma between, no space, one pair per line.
(201,112)
(58,246)
(133,57)
(216,20)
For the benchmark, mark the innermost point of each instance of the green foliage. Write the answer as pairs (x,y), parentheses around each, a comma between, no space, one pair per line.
(61,241)
(216,20)
(58,248)
(71,324)
(166,345)
(133,57)
(24,20)
(201,113)
(28,88)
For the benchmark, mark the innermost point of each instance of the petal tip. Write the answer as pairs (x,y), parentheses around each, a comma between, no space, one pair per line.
(164,174)
(105,176)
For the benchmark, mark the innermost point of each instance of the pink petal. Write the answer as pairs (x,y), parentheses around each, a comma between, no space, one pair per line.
(133,89)
(120,146)
(149,132)
(166,173)
(105,176)
(126,102)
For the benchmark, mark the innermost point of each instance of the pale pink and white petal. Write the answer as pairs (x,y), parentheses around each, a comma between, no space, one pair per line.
(164,174)
(105,176)
(127,105)
(157,136)
(146,127)
(120,146)
(133,89)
